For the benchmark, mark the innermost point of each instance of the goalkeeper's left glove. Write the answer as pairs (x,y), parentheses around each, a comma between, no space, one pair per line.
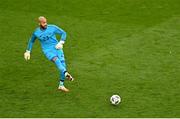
(60,45)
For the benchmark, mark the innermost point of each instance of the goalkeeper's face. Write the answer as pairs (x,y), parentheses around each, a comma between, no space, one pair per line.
(43,22)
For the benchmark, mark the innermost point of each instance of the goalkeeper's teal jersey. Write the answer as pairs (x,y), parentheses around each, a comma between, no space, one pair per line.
(47,37)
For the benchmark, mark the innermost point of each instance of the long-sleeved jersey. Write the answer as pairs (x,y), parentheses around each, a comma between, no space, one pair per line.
(47,37)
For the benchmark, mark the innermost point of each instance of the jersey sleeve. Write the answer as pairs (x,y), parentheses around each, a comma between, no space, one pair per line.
(61,32)
(31,42)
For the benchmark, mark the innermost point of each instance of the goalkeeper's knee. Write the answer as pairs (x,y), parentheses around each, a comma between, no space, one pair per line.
(59,65)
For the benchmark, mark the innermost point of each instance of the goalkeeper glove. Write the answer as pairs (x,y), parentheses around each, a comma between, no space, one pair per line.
(27,55)
(59,45)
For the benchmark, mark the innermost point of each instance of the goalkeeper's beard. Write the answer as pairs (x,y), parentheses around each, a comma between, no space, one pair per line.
(43,27)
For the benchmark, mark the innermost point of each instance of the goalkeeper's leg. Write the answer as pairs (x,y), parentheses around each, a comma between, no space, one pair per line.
(66,74)
(62,70)
(61,57)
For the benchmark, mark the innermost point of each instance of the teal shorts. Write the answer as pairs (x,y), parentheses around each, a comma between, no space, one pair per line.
(51,53)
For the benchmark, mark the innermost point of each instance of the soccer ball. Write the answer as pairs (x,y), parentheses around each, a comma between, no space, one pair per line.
(115,99)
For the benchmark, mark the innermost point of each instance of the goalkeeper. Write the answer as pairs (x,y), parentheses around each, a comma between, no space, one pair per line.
(52,49)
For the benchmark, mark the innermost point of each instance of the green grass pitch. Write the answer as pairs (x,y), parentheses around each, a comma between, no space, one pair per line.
(125,47)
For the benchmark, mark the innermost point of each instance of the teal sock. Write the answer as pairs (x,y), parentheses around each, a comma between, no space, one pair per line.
(61,83)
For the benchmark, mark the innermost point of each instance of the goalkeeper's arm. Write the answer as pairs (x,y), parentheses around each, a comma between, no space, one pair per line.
(29,47)
(63,37)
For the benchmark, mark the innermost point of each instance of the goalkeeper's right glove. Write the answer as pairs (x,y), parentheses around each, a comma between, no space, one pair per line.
(27,55)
